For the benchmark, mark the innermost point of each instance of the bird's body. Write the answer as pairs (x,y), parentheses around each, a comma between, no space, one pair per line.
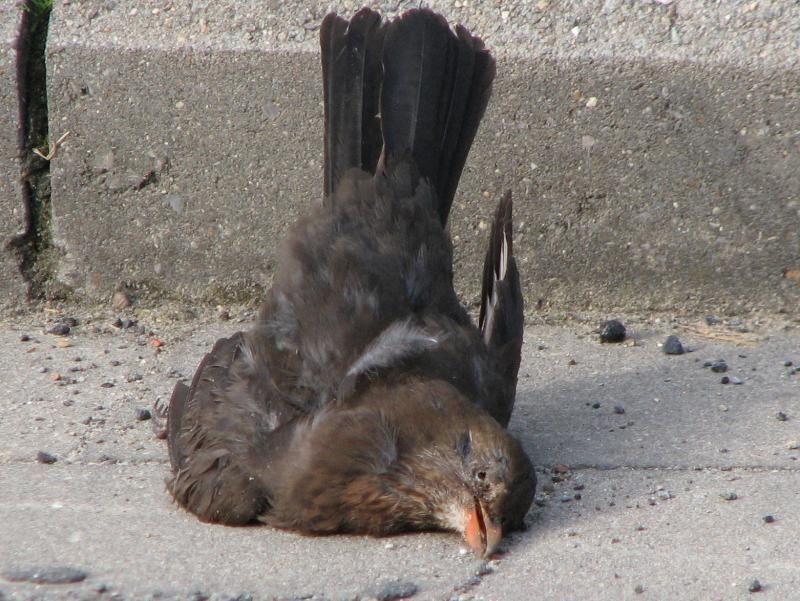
(364,399)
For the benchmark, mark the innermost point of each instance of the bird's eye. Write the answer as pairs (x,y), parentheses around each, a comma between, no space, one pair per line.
(481,475)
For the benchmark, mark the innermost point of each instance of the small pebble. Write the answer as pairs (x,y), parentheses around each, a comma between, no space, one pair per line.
(719,367)
(120,301)
(729,496)
(59,329)
(63,343)
(619,409)
(69,321)
(107,385)
(612,330)
(754,586)
(712,321)
(673,346)
(781,416)
(595,405)
(142,414)
(794,445)
(785,363)
(769,519)
(26,338)
(725,380)
(45,457)
(638,589)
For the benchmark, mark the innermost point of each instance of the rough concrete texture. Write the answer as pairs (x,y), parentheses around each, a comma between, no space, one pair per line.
(633,505)
(12,209)
(653,148)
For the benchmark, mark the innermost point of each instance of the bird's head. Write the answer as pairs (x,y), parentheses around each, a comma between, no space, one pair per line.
(454,467)
(406,456)
(479,477)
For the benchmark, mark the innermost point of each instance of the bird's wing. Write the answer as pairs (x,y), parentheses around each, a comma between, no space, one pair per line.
(501,318)
(225,430)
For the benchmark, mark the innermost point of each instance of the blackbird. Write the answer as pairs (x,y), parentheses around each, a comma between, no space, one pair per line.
(364,399)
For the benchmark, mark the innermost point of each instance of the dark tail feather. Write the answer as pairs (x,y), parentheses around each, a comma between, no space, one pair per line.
(436,87)
(501,318)
(351,71)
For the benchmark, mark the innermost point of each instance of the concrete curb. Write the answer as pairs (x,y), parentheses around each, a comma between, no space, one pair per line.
(653,149)
(12,208)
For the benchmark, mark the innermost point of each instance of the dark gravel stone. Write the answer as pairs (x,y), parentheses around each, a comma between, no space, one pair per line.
(638,589)
(729,496)
(47,575)
(781,416)
(712,321)
(754,586)
(107,385)
(785,363)
(59,329)
(619,409)
(595,405)
(142,415)
(612,330)
(45,457)
(725,380)
(769,519)
(719,367)
(673,346)
(395,589)
(26,338)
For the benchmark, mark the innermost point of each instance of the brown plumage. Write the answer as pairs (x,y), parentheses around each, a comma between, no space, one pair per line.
(364,400)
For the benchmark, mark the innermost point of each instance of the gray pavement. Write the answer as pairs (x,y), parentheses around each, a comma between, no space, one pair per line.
(633,505)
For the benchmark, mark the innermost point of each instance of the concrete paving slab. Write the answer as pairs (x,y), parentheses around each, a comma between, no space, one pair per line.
(662,136)
(627,502)
(12,210)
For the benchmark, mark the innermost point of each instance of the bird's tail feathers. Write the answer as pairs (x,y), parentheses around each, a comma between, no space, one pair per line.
(352,74)
(436,85)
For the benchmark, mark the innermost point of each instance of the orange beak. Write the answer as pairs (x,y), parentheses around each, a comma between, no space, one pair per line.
(482,534)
